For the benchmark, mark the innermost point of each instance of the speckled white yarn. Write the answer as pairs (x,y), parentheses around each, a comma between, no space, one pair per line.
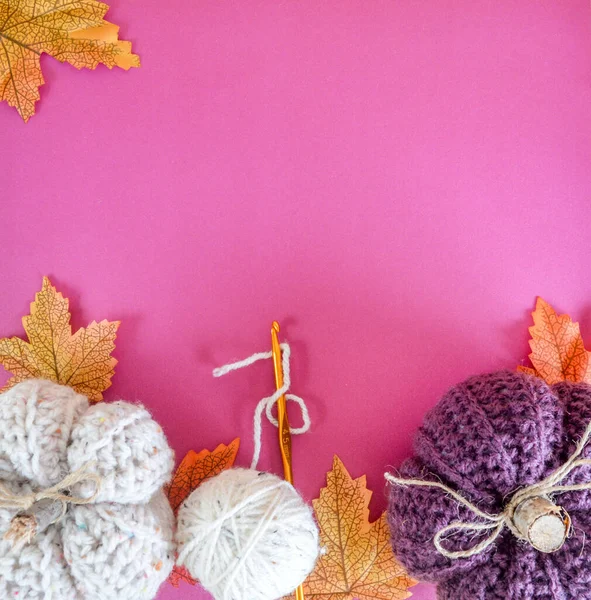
(247,535)
(120,547)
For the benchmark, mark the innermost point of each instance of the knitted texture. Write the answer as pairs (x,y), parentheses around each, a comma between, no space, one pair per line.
(485,439)
(247,535)
(120,545)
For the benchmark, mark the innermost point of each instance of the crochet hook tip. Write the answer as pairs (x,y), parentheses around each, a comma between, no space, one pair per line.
(275,326)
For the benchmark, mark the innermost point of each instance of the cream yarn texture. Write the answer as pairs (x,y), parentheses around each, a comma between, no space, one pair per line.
(247,535)
(119,546)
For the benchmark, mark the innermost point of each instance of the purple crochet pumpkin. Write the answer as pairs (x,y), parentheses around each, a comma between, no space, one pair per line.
(487,438)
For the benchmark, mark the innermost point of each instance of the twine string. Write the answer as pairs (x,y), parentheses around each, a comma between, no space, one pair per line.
(552,484)
(57,492)
(265,405)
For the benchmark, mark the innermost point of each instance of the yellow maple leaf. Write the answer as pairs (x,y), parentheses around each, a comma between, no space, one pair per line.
(81,360)
(358,562)
(558,352)
(72,31)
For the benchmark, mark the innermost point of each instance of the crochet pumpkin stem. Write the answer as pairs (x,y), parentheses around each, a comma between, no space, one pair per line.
(543,524)
(41,509)
(26,525)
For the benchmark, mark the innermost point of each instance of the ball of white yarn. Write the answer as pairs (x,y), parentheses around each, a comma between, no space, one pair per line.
(247,535)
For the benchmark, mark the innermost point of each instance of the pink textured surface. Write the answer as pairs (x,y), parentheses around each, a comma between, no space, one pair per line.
(394,181)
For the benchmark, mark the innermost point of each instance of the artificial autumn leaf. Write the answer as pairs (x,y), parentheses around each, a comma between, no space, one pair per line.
(179,574)
(81,360)
(194,469)
(528,371)
(558,352)
(72,31)
(358,562)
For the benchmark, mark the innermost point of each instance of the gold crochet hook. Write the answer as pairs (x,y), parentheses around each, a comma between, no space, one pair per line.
(284,433)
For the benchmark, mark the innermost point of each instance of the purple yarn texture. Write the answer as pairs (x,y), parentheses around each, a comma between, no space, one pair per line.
(487,437)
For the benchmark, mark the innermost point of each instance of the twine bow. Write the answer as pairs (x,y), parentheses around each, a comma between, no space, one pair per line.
(57,492)
(497,522)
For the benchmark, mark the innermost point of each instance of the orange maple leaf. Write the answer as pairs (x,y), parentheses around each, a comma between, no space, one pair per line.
(528,370)
(72,31)
(179,574)
(358,562)
(194,469)
(81,360)
(558,352)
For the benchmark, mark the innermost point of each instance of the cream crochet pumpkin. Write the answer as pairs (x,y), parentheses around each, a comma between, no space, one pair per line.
(117,547)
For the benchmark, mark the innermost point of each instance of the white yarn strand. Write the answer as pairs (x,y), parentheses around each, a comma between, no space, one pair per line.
(224,370)
(266,404)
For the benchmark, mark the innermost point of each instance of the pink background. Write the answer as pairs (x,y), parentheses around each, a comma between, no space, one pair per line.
(395,181)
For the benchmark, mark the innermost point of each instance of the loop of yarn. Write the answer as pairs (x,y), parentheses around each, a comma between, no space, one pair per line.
(497,522)
(56,492)
(266,404)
